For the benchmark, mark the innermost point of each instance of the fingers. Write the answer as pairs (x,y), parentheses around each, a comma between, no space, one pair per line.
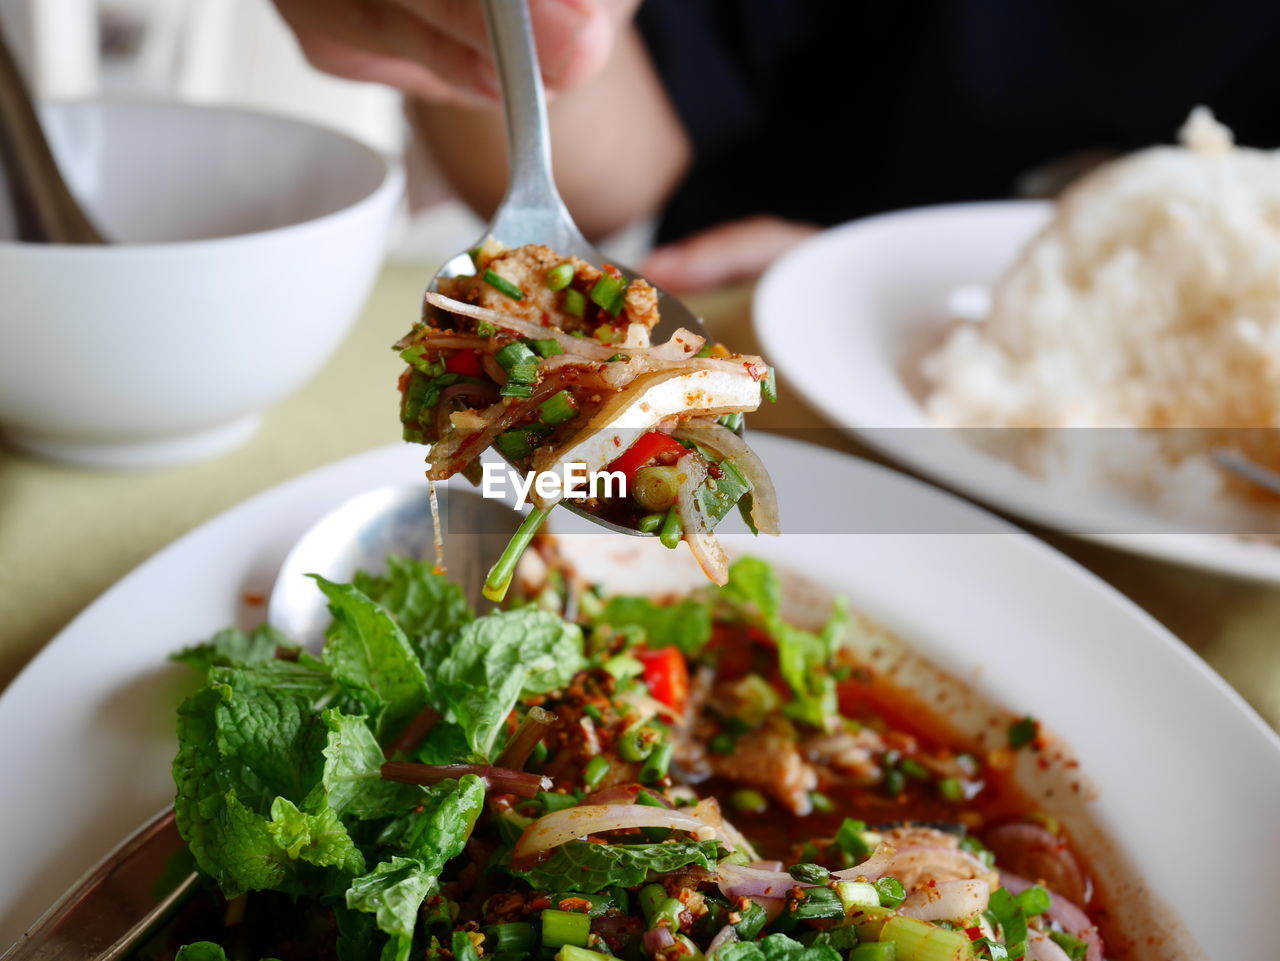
(734,251)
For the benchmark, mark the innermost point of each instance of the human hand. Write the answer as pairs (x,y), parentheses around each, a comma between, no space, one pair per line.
(737,250)
(439,49)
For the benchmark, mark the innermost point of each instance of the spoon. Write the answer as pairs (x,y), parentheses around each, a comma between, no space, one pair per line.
(132,890)
(532,212)
(44,207)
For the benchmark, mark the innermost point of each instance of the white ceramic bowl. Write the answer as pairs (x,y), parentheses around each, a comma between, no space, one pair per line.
(244,247)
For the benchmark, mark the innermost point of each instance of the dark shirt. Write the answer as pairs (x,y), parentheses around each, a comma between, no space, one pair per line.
(824,110)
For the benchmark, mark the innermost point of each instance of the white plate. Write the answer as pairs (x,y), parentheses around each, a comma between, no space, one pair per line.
(846,316)
(1189,775)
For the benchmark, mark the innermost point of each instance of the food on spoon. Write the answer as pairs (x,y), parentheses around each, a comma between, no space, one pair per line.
(1152,300)
(549,360)
(661,781)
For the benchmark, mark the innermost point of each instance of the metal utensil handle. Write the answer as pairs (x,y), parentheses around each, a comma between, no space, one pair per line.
(532,185)
(44,207)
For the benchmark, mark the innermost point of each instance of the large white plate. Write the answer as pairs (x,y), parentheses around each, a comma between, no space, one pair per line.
(846,316)
(1189,776)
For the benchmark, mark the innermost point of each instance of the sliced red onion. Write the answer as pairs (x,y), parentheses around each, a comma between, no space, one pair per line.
(556,828)
(704,546)
(657,939)
(873,868)
(725,936)
(1074,921)
(477,395)
(947,901)
(774,866)
(916,863)
(1041,947)
(725,443)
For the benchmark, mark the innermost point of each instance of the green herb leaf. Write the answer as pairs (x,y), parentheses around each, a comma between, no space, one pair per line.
(687,624)
(588,868)
(318,839)
(352,774)
(235,648)
(366,649)
(429,607)
(777,947)
(497,658)
(393,891)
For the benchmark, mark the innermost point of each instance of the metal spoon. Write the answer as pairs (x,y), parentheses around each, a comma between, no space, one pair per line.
(532,212)
(127,895)
(44,207)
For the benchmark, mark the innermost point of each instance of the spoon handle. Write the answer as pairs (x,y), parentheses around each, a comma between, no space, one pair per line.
(44,207)
(532,210)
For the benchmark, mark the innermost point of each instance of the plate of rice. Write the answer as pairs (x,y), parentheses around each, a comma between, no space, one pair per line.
(1083,364)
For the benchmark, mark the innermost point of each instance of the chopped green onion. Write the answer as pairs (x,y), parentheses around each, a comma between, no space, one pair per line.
(849,839)
(514,388)
(732,421)
(558,278)
(1004,910)
(539,754)
(499,579)
(655,488)
(891,892)
(574,303)
(857,894)
(842,938)
(608,294)
(565,927)
(672,530)
(706,351)
(894,783)
(921,941)
(821,803)
(753,921)
(571,952)
(650,523)
(617,357)
(722,743)
(809,873)
(652,897)
(623,666)
(769,387)
(874,951)
(1034,900)
(632,746)
(593,712)
(557,409)
(556,802)
(594,772)
(669,911)
(914,769)
(485,329)
(516,357)
(1023,732)
(656,764)
(519,442)
(1073,947)
(649,799)
(502,285)
(749,800)
(951,789)
(516,936)
(599,904)
(416,357)
(546,348)
(820,903)
(474,254)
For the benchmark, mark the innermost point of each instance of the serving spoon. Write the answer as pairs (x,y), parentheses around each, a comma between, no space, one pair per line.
(128,894)
(44,207)
(532,212)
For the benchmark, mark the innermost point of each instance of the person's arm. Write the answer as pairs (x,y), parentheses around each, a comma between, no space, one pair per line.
(619,147)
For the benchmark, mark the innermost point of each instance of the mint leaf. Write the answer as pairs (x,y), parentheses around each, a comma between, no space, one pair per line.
(429,607)
(497,658)
(366,649)
(235,648)
(352,775)
(318,839)
(686,625)
(803,657)
(588,868)
(777,947)
(394,890)
(202,951)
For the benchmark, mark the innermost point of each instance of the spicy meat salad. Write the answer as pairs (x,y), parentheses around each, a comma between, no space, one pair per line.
(549,360)
(692,780)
